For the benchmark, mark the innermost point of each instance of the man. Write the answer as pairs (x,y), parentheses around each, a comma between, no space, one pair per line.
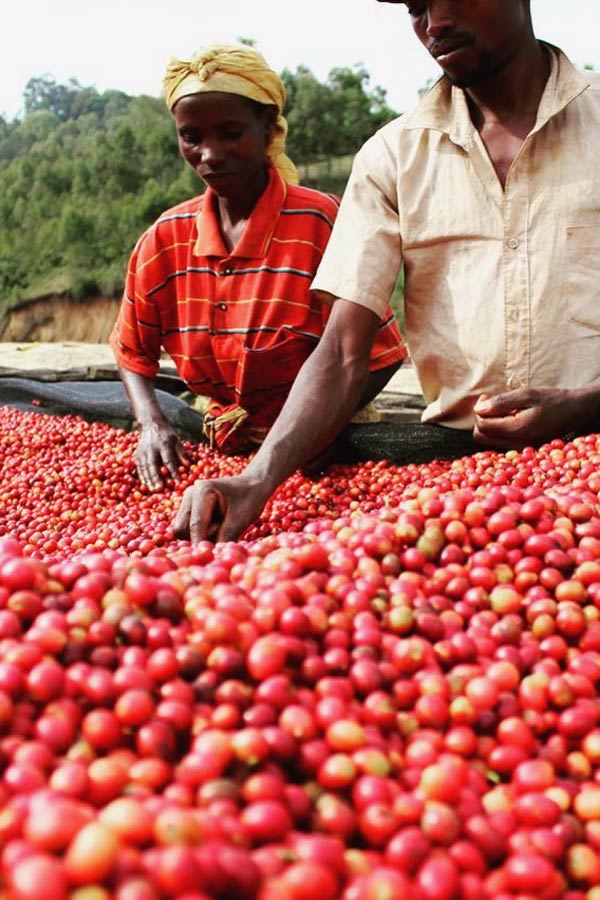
(488,195)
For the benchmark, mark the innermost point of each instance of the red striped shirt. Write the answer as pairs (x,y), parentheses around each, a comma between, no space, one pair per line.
(238,325)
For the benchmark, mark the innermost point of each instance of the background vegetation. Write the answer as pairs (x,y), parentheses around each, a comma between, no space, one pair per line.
(83,173)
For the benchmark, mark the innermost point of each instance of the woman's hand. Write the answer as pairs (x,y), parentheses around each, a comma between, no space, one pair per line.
(159,446)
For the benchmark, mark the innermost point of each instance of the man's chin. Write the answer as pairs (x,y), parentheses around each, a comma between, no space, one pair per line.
(458,81)
(464,79)
(472,78)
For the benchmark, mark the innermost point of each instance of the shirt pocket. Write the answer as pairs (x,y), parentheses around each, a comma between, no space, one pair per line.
(583,275)
(265,371)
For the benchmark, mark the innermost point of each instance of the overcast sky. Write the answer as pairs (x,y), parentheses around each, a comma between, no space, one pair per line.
(126,44)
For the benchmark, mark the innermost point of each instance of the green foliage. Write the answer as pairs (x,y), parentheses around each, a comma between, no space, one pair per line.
(80,178)
(67,101)
(333,118)
(84,173)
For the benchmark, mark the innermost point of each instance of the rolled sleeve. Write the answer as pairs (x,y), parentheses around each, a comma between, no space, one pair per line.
(136,336)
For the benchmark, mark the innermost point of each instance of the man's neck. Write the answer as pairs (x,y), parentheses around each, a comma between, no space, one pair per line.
(514,92)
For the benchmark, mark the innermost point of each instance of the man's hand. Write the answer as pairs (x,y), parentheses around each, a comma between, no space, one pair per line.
(322,399)
(159,446)
(524,417)
(219,509)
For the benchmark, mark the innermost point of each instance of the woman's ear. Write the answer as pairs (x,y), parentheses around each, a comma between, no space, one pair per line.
(270,120)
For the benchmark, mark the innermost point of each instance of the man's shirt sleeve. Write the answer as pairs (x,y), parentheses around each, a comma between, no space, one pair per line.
(363,257)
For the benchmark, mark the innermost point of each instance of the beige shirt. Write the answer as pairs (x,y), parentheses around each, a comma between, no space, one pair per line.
(502,286)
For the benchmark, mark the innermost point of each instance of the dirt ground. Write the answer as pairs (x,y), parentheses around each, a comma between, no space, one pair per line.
(57,318)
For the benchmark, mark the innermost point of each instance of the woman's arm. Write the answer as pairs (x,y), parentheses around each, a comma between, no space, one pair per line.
(158,444)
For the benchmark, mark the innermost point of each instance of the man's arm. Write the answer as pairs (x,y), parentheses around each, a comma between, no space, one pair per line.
(321,401)
(531,416)
(158,444)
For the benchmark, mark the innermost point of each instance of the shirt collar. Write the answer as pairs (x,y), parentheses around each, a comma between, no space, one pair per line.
(444,107)
(256,238)
(564,84)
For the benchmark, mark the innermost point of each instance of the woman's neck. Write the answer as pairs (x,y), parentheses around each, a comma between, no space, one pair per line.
(234,212)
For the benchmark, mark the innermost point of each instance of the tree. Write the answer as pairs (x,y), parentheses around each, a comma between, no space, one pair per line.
(66,101)
(310,115)
(359,111)
(332,118)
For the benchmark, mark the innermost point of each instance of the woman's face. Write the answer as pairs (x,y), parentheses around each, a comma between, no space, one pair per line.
(224,139)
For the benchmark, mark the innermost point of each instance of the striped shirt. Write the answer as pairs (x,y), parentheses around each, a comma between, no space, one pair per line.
(238,325)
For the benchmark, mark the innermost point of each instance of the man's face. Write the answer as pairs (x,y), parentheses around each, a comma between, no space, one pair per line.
(470,39)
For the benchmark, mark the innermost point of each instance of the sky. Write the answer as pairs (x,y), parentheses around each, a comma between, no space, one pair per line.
(126,44)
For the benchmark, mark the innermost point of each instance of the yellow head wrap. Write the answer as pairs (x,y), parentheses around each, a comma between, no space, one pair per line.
(234,69)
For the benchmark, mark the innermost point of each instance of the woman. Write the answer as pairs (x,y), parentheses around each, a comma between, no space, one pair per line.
(222,282)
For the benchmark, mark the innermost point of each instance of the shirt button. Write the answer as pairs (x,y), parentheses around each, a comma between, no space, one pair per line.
(514,382)
(227,271)
(513,243)
(222,306)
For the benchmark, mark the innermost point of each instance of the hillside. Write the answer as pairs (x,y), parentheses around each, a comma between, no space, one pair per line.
(76,190)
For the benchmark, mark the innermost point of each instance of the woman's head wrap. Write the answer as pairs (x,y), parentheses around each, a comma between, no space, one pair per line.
(234,69)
